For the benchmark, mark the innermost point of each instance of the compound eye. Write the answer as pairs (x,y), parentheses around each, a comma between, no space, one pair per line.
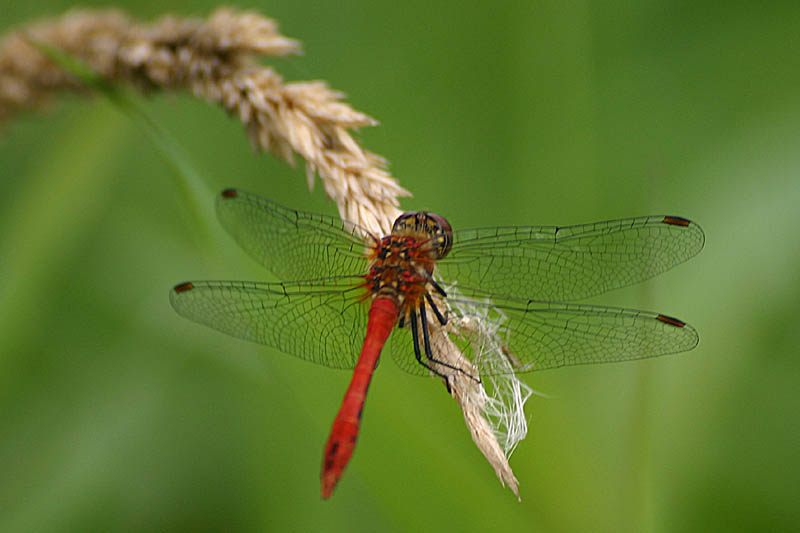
(403,222)
(443,235)
(441,222)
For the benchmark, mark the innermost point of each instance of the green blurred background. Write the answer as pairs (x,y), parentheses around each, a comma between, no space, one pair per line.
(116,414)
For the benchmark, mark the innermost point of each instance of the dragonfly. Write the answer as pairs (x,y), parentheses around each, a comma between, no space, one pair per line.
(347,295)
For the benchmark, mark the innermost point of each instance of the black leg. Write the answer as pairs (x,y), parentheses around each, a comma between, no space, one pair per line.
(438,288)
(415,335)
(426,337)
(442,320)
(417,352)
(427,340)
(402,321)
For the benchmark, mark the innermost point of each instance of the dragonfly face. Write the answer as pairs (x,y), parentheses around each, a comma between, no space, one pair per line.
(428,226)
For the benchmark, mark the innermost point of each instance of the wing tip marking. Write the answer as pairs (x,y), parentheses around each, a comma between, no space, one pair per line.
(676,221)
(183,287)
(671,321)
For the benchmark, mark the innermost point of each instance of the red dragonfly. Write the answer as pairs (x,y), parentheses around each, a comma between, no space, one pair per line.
(354,282)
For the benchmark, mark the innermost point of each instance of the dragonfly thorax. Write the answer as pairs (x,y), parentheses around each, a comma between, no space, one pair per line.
(400,269)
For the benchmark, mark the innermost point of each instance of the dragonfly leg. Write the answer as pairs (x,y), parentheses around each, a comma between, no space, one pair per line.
(438,287)
(402,321)
(442,320)
(426,337)
(417,352)
(427,341)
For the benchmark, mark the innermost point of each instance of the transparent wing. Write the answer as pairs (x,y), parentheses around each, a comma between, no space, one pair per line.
(570,262)
(533,335)
(292,244)
(322,321)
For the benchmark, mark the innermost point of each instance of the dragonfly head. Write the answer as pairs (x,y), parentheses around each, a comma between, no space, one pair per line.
(428,226)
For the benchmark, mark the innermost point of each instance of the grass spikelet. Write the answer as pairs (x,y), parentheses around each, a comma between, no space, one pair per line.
(216,59)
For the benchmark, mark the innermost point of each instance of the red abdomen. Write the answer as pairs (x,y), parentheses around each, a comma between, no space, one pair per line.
(342,441)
